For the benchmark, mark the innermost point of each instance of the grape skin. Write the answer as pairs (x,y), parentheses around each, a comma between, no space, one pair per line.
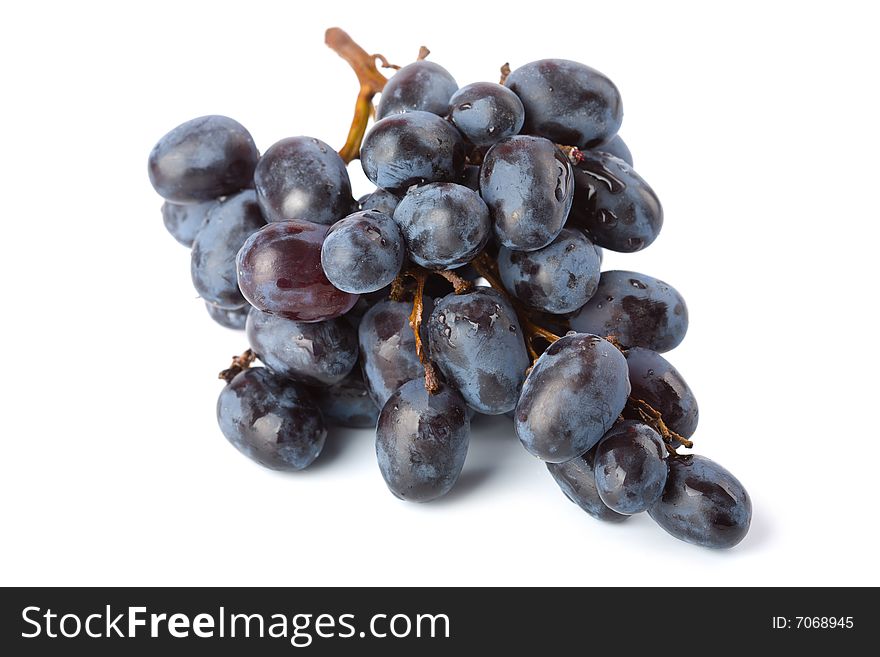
(485,112)
(630,467)
(347,403)
(618,148)
(184,221)
(363,252)
(203,159)
(388,349)
(381,200)
(302,178)
(638,310)
(574,393)
(476,341)
(271,421)
(231,318)
(316,353)
(567,102)
(279,272)
(703,504)
(422,86)
(657,382)
(614,205)
(422,441)
(527,184)
(225,228)
(558,279)
(578,481)
(411,149)
(445,225)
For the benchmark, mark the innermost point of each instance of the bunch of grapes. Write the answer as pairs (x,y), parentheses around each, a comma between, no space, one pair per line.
(468,282)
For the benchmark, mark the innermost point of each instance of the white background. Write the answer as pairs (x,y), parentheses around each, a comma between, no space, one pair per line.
(755,123)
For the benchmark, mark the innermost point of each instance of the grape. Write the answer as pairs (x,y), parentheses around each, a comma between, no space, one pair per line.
(316,353)
(471,177)
(302,178)
(272,421)
(558,279)
(656,381)
(363,252)
(445,225)
(638,310)
(224,230)
(279,272)
(203,159)
(572,396)
(476,341)
(618,148)
(567,102)
(578,482)
(184,221)
(422,85)
(527,184)
(347,403)
(422,441)
(388,349)
(231,318)
(410,149)
(485,112)
(630,467)
(617,209)
(381,200)
(703,504)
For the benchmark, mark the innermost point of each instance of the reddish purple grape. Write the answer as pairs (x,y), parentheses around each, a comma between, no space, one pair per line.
(279,272)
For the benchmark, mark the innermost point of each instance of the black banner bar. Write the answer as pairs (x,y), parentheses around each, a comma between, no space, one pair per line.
(110,621)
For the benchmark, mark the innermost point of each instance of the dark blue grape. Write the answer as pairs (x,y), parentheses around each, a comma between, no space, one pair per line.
(477,343)
(485,112)
(272,421)
(445,225)
(184,221)
(347,403)
(471,177)
(573,395)
(302,178)
(616,208)
(578,482)
(527,184)
(656,381)
(388,349)
(558,279)
(422,85)
(381,200)
(618,148)
(567,102)
(231,318)
(630,467)
(411,149)
(317,353)
(224,230)
(638,310)
(363,252)
(703,504)
(279,272)
(422,441)
(202,160)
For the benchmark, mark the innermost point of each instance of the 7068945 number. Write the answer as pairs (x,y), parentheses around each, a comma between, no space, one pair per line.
(823,622)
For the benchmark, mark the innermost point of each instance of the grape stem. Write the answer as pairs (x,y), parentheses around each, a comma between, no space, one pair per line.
(371,82)
(505,71)
(239,365)
(419,275)
(486,267)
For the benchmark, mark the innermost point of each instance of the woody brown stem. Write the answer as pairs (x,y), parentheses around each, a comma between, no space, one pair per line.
(459,284)
(432,383)
(505,71)
(371,82)
(239,365)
